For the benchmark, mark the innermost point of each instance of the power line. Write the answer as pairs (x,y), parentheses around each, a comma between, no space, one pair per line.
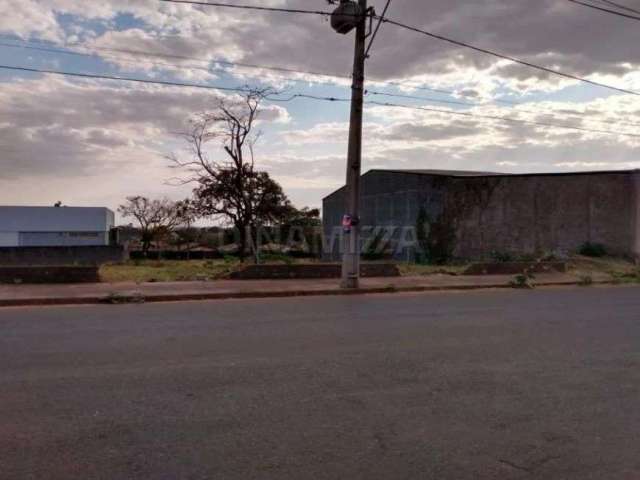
(620,6)
(459,113)
(244,65)
(249,7)
(124,79)
(311,97)
(503,119)
(427,99)
(423,32)
(573,113)
(173,65)
(606,10)
(369,92)
(90,55)
(373,37)
(507,57)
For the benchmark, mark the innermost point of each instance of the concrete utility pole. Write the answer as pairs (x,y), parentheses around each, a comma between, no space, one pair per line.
(351,221)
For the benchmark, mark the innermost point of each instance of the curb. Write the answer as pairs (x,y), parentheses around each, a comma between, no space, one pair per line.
(183,297)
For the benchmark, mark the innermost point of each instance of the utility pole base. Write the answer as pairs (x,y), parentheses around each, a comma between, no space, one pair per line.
(350,271)
(350,283)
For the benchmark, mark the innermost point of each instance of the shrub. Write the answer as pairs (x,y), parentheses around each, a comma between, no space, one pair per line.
(589,249)
(436,238)
(585,280)
(523,280)
(376,249)
(276,258)
(229,259)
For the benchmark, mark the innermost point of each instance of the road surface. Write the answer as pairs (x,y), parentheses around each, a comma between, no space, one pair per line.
(538,384)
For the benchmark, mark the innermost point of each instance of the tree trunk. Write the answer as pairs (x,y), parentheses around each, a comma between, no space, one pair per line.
(255,248)
(242,241)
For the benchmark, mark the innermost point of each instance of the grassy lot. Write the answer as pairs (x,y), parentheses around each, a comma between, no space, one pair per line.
(621,270)
(166,270)
(193,270)
(180,270)
(414,269)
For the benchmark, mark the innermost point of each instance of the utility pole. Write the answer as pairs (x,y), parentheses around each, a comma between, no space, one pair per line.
(351,221)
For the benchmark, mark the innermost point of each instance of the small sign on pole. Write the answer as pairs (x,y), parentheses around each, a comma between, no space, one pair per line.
(347,222)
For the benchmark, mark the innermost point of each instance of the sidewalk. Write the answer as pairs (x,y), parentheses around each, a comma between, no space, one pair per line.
(17,295)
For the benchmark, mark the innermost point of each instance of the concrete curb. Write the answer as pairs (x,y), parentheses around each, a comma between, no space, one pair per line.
(182,297)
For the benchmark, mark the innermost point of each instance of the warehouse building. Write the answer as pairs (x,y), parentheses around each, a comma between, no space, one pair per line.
(474,214)
(55,226)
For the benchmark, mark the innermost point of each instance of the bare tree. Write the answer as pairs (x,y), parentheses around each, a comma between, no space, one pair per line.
(231,188)
(156,218)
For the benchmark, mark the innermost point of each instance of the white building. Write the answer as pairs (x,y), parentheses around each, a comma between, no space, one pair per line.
(55,226)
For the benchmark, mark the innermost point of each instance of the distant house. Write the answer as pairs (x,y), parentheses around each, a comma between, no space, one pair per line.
(477,214)
(55,226)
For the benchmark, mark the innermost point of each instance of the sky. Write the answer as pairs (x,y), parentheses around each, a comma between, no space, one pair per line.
(94,142)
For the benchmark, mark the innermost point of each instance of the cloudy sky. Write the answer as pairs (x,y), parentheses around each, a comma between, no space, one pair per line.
(93,142)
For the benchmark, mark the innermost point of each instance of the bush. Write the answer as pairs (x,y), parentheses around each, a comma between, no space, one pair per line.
(375,250)
(523,280)
(276,258)
(589,249)
(585,280)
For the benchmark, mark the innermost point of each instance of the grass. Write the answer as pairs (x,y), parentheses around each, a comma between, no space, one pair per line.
(587,269)
(166,270)
(619,269)
(417,270)
(141,271)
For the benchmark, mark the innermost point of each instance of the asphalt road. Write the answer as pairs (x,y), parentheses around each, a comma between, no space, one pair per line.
(538,384)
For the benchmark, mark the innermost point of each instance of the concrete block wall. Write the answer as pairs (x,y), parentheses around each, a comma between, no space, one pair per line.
(635,220)
(509,213)
(554,213)
(54,256)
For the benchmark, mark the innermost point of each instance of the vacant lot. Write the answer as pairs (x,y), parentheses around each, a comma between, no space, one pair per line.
(193,270)
(167,270)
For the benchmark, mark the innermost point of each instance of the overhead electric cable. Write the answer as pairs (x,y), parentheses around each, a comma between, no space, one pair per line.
(405,84)
(423,32)
(124,79)
(620,6)
(517,108)
(606,10)
(459,113)
(369,92)
(249,7)
(507,57)
(499,118)
(312,97)
(109,55)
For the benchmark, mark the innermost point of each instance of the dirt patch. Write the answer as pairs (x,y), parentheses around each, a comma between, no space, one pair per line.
(310,271)
(514,268)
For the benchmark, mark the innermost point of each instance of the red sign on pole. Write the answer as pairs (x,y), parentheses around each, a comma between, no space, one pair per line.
(346,223)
